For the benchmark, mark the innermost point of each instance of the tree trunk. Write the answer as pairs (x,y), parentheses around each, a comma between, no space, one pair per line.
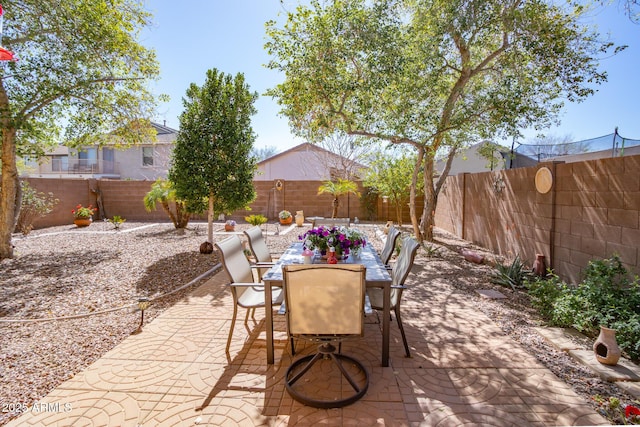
(8,191)
(167,209)
(182,215)
(334,214)
(210,219)
(413,212)
(399,212)
(430,201)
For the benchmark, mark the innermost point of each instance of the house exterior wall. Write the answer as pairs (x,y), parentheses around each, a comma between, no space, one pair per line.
(293,166)
(131,167)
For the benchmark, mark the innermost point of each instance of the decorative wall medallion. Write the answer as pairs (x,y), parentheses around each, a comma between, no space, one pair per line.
(544,180)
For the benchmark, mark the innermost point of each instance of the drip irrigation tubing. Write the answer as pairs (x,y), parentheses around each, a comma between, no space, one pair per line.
(207,273)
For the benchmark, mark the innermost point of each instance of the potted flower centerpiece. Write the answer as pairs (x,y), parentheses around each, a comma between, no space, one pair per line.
(343,239)
(285,217)
(356,240)
(82,216)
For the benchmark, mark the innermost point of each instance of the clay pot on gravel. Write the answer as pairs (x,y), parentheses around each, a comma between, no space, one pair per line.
(206,248)
(82,222)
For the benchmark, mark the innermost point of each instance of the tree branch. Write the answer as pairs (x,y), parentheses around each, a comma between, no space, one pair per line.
(33,107)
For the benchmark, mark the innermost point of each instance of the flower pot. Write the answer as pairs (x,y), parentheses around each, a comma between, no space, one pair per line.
(82,222)
(286,221)
(606,347)
(299,219)
(229,227)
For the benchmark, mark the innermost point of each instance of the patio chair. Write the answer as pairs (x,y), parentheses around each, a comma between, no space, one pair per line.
(325,304)
(387,251)
(399,273)
(246,293)
(259,249)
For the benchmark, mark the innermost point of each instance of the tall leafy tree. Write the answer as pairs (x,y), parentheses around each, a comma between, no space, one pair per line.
(432,74)
(80,65)
(212,163)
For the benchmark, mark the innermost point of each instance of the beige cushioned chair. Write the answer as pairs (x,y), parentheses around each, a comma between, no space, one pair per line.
(325,303)
(399,273)
(246,293)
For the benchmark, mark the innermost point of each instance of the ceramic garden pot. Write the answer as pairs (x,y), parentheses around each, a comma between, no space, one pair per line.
(606,347)
(82,222)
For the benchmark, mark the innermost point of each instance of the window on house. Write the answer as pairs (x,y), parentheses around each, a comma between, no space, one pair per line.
(87,159)
(147,156)
(59,163)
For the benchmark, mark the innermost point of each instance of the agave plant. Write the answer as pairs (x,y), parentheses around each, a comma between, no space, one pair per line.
(514,275)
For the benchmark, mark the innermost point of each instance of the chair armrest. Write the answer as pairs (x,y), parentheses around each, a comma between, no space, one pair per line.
(398,287)
(263,264)
(247,284)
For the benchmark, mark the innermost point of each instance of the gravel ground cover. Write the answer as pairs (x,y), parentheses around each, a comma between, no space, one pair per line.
(68,297)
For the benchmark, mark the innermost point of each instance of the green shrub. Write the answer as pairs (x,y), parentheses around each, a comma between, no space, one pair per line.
(256,219)
(117,221)
(544,293)
(515,275)
(605,297)
(34,204)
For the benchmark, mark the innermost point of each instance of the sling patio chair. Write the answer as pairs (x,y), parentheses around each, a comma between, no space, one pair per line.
(246,293)
(399,273)
(259,249)
(390,244)
(325,304)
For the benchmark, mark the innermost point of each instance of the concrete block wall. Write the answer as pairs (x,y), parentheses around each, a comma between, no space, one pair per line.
(298,195)
(125,198)
(591,212)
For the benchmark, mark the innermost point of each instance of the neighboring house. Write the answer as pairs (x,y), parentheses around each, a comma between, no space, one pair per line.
(140,162)
(469,160)
(305,162)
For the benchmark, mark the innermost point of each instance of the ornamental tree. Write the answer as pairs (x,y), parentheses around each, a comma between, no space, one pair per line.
(212,163)
(162,192)
(81,70)
(391,175)
(338,188)
(435,75)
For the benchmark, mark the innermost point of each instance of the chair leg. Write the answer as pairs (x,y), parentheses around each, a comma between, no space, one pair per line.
(293,347)
(233,324)
(404,337)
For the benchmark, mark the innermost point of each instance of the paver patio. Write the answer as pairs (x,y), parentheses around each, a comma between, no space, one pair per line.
(463,370)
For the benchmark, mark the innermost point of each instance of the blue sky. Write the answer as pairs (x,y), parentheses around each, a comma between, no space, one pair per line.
(193,36)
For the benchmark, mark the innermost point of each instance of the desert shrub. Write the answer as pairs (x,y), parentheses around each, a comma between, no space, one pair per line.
(515,274)
(34,204)
(544,293)
(258,219)
(606,296)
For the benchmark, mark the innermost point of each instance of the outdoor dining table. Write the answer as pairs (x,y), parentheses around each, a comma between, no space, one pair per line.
(377,276)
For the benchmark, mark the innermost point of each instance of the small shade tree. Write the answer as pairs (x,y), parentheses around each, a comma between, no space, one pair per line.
(391,176)
(212,163)
(338,188)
